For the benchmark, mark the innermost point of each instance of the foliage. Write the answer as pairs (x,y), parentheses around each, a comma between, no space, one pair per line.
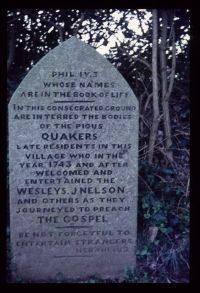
(164,205)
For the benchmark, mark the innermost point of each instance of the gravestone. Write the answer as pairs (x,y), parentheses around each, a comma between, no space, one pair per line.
(73,169)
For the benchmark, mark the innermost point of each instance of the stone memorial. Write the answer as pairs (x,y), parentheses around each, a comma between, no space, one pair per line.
(73,169)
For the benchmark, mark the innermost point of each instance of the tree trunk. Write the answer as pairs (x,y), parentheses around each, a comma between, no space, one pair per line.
(155,123)
(165,92)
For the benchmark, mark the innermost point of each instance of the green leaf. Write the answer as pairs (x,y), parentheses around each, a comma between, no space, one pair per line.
(144,251)
(147,216)
(145,205)
(168,171)
(156,242)
(166,230)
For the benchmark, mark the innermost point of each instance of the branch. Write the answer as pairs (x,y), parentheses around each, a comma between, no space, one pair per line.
(139,59)
(172,76)
(75,31)
(140,22)
(147,101)
(17,17)
(11,48)
(188,187)
(171,30)
(147,185)
(57,26)
(163,63)
(154,127)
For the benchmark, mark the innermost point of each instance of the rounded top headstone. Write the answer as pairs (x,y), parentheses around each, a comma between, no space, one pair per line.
(73,168)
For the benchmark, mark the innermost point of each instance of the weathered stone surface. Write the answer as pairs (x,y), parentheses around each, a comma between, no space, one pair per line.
(73,169)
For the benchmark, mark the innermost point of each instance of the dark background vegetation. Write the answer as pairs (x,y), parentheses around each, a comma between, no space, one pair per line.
(153,57)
